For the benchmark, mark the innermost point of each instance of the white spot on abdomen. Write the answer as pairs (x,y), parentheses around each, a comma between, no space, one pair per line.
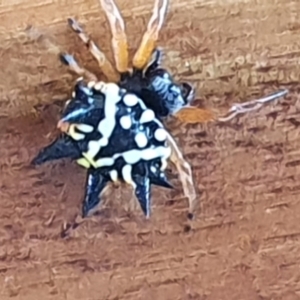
(147,116)
(130,99)
(126,173)
(113,175)
(75,135)
(85,128)
(153,169)
(125,122)
(160,134)
(141,140)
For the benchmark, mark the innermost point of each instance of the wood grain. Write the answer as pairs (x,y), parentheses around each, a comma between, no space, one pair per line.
(231,48)
(245,241)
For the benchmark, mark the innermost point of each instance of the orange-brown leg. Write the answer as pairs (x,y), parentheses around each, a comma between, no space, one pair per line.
(70,61)
(66,58)
(185,174)
(104,63)
(192,115)
(150,37)
(197,115)
(119,38)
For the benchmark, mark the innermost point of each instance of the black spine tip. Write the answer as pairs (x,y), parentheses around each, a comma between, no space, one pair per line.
(187,228)
(84,213)
(70,21)
(143,194)
(36,161)
(190,216)
(40,158)
(95,184)
(64,58)
(74,25)
(160,180)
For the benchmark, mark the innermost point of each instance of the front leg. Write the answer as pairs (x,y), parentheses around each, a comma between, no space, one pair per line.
(69,60)
(95,185)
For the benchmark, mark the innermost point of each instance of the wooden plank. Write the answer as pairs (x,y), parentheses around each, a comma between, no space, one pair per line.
(223,47)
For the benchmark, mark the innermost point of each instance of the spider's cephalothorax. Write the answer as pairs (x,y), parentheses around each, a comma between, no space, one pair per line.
(157,88)
(116,137)
(114,129)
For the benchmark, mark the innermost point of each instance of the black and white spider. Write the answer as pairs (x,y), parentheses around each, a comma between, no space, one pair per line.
(116,137)
(115,129)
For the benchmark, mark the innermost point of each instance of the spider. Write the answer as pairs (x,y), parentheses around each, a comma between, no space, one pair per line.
(147,84)
(92,132)
(126,144)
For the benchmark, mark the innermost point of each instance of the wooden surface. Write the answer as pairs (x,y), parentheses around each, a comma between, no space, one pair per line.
(244,243)
(231,48)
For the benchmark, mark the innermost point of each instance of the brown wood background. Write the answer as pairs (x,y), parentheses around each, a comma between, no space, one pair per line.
(231,48)
(244,243)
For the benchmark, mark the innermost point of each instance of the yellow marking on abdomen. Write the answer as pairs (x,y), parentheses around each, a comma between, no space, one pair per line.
(83,162)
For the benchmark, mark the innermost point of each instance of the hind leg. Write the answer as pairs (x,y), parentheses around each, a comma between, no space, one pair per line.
(185,174)
(105,65)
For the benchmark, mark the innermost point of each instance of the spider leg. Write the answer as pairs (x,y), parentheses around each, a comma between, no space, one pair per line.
(69,60)
(192,115)
(95,185)
(150,37)
(198,115)
(185,173)
(243,108)
(119,38)
(104,63)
